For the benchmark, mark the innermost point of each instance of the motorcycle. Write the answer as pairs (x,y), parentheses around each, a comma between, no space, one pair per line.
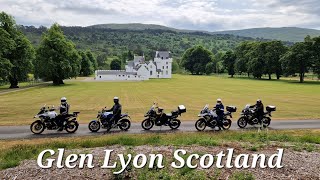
(210,118)
(248,116)
(166,119)
(104,121)
(48,120)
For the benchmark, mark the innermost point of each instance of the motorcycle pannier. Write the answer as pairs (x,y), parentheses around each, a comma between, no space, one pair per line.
(231,108)
(271,108)
(182,109)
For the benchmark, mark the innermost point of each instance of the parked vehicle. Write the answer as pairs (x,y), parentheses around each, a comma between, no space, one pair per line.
(248,116)
(209,118)
(166,120)
(47,119)
(104,121)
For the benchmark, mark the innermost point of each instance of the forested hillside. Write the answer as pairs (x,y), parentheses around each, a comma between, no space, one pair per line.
(291,34)
(113,42)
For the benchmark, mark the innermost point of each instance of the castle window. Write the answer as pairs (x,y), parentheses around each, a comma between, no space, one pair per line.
(167,63)
(167,67)
(162,67)
(161,57)
(167,72)
(150,73)
(100,77)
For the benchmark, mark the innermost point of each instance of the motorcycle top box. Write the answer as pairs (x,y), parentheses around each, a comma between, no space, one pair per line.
(231,108)
(182,109)
(271,108)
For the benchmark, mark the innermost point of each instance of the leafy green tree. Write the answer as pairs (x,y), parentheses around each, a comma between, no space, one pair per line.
(229,60)
(256,63)
(242,53)
(315,50)
(273,52)
(297,60)
(210,68)
(92,59)
(115,64)
(17,53)
(6,45)
(86,65)
(57,59)
(175,67)
(102,61)
(196,58)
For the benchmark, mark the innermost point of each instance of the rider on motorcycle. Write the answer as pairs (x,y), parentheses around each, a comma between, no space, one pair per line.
(219,110)
(116,110)
(64,111)
(259,110)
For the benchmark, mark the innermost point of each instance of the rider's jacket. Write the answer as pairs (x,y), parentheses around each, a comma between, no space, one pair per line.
(64,109)
(219,109)
(116,110)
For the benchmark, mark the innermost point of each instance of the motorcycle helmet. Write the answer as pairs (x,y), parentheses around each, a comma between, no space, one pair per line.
(63,100)
(259,101)
(219,101)
(116,100)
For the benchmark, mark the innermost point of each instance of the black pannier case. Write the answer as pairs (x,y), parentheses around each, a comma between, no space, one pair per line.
(182,109)
(231,108)
(271,108)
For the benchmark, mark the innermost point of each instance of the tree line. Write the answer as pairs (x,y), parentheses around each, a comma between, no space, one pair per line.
(55,59)
(257,59)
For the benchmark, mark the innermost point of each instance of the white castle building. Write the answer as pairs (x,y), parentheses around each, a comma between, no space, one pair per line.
(139,69)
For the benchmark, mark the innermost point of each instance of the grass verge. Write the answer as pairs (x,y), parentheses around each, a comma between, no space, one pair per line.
(12,152)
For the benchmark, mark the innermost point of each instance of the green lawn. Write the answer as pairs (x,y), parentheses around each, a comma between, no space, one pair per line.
(293,100)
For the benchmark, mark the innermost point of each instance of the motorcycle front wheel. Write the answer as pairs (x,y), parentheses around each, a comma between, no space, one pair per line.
(37,127)
(72,126)
(242,122)
(174,123)
(94,126)
(124,124)
(201,124)
(147,124)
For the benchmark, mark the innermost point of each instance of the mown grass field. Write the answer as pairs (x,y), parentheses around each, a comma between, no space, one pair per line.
(293,100)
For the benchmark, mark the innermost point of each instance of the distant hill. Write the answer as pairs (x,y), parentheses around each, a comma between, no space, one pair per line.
(292,34)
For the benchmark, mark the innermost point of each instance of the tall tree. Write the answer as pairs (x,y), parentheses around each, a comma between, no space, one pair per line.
(196,58)
(315,48)
(18,54)
(273,52)
(92,59)
(297,60)
(115,64)
(242,53)
(210,68)
(86,64)
(229,60)
(57,59)
(6,45)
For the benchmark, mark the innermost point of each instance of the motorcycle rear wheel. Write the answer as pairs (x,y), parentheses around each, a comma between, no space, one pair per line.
(174,123)
(266,122)
(242,122)
(228,125)
(125,124)
(201,124)
(37,127)
(147,124)
(72,126)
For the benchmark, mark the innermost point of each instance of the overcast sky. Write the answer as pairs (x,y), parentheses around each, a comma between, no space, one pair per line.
(210,15)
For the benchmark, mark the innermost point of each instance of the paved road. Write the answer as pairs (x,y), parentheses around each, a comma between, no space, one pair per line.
(23,132)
